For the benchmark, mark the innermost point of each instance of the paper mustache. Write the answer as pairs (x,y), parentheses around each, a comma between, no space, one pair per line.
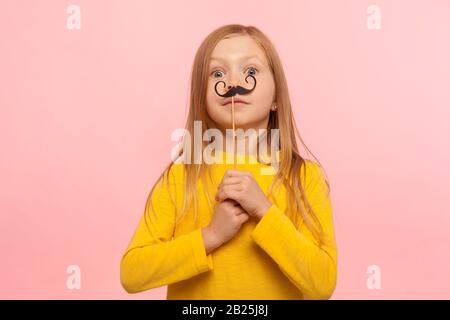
(234,90)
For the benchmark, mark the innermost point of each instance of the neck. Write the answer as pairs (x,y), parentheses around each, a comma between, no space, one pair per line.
(245,144)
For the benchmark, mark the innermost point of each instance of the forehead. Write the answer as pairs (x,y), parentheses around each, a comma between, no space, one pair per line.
(236,49)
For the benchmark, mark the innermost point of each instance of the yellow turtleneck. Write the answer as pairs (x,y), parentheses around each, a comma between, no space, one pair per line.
(267,259)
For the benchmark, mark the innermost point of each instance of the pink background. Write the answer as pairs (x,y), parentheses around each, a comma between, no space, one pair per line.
(86,117)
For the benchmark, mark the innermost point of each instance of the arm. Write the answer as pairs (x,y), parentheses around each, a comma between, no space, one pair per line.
(310,268)
(153,258)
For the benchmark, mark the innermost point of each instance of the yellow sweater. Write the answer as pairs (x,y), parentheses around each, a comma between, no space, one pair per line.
(267,259)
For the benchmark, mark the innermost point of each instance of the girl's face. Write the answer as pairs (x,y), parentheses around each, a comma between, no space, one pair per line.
(231,61)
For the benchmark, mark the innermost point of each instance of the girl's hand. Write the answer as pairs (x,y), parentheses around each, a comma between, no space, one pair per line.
(227,220)
(242,187)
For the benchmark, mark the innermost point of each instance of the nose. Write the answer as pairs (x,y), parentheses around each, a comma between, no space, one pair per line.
(234,80)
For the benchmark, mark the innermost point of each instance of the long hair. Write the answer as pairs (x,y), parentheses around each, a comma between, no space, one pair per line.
(290,162)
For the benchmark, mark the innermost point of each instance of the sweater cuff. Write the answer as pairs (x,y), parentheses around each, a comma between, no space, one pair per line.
(203,262)
(268,225)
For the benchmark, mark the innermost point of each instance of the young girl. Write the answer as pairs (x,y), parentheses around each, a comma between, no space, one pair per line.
(211,232)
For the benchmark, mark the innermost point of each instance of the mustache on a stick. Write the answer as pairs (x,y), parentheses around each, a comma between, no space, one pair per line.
(232,91)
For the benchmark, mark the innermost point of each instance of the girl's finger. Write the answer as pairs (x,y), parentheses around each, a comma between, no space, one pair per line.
(230,180)
(235,186)
(233,203)
(230,202)
(236,173)
(228,192)
(238,211)
(243,217)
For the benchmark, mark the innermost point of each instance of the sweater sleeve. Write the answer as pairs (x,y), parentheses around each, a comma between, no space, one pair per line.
(153,258)
(312,269)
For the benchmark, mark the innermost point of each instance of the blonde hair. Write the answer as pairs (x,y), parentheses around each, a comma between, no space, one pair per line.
(290,162)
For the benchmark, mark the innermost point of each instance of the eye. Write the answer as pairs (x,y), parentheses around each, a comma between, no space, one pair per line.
(252,71)
(216,73)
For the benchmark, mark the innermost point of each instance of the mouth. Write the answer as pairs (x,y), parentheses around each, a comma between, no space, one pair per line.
(236,101)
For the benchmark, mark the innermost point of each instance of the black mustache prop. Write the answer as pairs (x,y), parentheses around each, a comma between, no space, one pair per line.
(234,90)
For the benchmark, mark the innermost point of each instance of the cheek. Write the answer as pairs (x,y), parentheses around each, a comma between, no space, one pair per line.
(210,101)
(211,97)
(265,95)
(212,107)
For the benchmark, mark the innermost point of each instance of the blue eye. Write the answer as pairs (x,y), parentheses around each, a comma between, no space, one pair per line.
(254,71)
(216,72)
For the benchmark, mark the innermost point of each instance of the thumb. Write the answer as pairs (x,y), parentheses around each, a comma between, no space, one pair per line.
(243,217)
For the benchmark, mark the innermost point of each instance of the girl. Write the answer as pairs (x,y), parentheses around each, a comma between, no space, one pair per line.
(211,232)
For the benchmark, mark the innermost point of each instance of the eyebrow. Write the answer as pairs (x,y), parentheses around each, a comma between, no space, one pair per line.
(243,58)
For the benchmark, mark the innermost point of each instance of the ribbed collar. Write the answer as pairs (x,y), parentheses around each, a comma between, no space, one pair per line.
(242,158)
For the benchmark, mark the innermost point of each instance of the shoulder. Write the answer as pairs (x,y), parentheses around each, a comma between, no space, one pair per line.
(171,177)
(167,188)
(174,172)
(310,171)
(313,176)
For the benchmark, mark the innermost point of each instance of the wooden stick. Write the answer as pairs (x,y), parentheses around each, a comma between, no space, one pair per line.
(234,133)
